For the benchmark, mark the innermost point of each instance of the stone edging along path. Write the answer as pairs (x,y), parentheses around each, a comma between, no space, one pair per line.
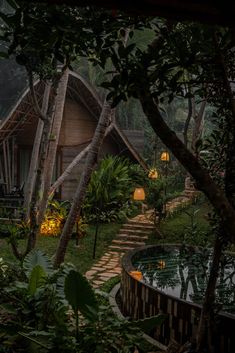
(132,234)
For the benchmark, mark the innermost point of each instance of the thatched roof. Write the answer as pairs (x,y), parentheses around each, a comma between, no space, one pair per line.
(79,90)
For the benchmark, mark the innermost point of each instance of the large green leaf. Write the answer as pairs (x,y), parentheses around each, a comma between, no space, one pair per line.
(36,279)
(149,323)
(80,295)
(35,258)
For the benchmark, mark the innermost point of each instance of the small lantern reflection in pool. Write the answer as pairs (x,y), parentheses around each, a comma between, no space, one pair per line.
(161,264)
(165,156)
(137,275)
(139,194)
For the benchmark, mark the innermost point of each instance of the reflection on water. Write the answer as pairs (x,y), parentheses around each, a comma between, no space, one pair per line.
(184,273)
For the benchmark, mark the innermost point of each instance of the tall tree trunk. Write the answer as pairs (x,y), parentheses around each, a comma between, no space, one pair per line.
(53,142)
(187,122)
(206,327)
(73,164)
(84,180)
(204,182)
(33,212)
(35,154)
(198,125)
(207,314)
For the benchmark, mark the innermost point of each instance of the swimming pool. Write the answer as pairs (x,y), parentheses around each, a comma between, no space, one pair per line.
(170,279)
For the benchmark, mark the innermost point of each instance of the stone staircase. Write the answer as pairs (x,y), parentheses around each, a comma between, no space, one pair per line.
(132,235)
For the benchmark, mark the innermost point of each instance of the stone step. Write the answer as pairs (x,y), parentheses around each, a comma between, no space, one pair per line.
(120,248)
(145,225)
(128,242)
(131,223)
(132,237)
(133,231)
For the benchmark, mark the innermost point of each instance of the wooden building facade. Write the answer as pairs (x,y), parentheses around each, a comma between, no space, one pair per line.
(81,112)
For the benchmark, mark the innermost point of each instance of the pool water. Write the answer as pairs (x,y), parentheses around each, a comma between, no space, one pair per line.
(183,273)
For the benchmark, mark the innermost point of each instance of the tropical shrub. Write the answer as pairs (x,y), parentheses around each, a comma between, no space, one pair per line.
(109,191)
(55,218)
(39,312)
(155,197)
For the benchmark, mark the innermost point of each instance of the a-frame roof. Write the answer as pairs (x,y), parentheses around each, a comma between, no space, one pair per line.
(79,90)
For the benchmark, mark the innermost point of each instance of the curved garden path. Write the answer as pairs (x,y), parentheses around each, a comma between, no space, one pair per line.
(132,234)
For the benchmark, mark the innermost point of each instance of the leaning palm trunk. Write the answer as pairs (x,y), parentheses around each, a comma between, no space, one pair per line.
(35,154)
(73,164)
(53,143)
(85,178)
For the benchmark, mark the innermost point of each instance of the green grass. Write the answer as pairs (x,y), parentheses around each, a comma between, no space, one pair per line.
(173,229)
(81,257)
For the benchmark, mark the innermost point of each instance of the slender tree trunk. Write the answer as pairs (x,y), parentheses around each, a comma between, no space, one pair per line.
(35,154)
(206,327)
(198,125)
(73,164)
(34,225)
(84,180)
(204,182)
(69,169)
(187,122)
(207,314)
(53,142)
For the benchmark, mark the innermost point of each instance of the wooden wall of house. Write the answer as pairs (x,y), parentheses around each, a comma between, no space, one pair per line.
(26,136)
(68,153)
(78,125)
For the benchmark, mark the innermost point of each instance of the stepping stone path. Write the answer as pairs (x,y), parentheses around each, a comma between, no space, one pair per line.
(133,234)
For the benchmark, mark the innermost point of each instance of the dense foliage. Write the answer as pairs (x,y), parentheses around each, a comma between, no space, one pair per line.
(110,189)
(39,311)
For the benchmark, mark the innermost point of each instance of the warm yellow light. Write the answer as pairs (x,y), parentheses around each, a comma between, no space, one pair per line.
(139,194)
(165,156)
(153,174)
(50,227)
(161,264)
(137,275)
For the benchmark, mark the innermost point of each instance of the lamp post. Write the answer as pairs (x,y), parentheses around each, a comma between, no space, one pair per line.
(165,157)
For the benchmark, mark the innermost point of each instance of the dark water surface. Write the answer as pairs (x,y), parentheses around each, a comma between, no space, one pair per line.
(184,272)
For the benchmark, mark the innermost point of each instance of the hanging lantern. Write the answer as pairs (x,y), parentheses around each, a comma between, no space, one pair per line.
(165,156)
(153,174)
(139,194)
(137,275)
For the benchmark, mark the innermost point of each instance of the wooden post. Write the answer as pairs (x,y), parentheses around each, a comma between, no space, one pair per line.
(5,166)
(9,164)
(1,169)
(13,161)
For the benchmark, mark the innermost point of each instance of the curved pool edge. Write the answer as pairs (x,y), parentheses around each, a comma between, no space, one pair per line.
(112,301)
(140,300)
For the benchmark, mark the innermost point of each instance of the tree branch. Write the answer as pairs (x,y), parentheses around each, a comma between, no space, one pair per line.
(36,107)
(204,181)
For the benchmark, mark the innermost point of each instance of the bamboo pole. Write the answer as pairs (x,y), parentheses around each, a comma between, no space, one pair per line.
(9,164)
(5,166)
(35,153)
(1,169)
(13,161)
